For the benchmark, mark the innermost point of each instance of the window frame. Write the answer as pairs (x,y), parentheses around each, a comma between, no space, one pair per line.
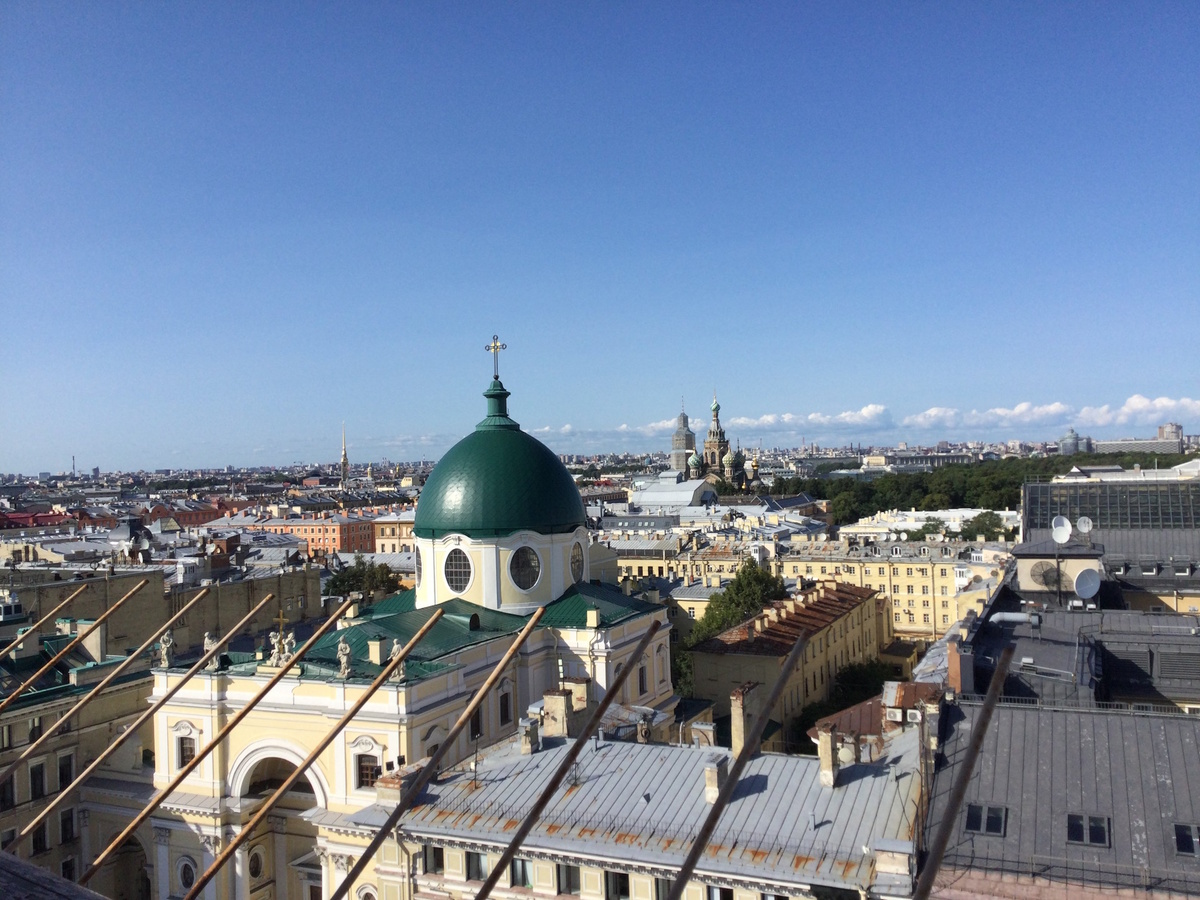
(475,865)
(520,873)
(573,878)
(435,853)
(365,779)
(979,818)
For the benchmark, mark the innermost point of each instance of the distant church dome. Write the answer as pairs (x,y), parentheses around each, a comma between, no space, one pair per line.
(727,459)
(694,462)
(496,481)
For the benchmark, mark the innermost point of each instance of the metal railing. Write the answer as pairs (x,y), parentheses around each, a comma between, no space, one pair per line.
(1079,871)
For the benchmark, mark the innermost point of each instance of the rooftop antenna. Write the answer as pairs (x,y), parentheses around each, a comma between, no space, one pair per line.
(1060,532)
(1084,527)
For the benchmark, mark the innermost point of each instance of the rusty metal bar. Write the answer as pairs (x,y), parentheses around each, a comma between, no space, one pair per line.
(431,768)
(937,850)
(95,692)
(118,740)
(262,812)
(214,743)
(71,645)
(565,766)
(11,648)
(735,772)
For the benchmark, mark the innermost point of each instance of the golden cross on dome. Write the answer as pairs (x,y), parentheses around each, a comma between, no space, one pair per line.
(494,348)
(282,621)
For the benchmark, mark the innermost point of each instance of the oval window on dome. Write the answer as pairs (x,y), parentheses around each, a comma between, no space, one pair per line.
(458,570)
(417,557)
(577,563)
(525,567)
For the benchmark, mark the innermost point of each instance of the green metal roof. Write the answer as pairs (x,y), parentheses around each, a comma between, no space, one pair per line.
(452,632)
(498,480)
(570,610)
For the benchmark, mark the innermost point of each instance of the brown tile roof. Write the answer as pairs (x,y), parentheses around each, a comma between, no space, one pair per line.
(775,630)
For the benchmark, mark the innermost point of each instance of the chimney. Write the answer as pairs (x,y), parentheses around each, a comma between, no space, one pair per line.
(627,586)
(827,754)
(96,643)
(557,708)
(593,617)
(375,651)
(740,713)
(716,770)
(529,736)
(960,662)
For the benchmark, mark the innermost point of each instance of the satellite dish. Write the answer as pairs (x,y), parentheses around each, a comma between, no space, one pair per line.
(1084,525)
(1045,573)
(904,535)
(1060,529)
(1087,583)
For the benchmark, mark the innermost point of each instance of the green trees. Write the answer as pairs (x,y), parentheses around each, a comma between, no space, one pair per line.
(986,523)
(362,576)
(750,590)
(853,684)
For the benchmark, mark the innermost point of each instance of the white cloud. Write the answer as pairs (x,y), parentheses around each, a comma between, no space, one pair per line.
(934,417)
(1021,414)
(1140,410)
(872,415)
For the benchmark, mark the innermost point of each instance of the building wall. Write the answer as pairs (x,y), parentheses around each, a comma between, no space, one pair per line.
(853,638)
(90,732)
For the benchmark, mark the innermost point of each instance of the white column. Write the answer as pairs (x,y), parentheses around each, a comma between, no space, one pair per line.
(282,872)
(211,844)
(85,839)
(326,879)
(162,862)
(241,858)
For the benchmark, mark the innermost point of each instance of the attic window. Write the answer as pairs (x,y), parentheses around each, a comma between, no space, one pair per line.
(986,819)
(1187,837)
(1087,830)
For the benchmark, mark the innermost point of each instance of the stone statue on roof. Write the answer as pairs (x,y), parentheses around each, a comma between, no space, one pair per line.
(166,652)
(344,659)
(397,649)
(210,643)
(276,649)
(289,648)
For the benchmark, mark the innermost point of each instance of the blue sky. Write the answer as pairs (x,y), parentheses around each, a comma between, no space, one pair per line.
(226,228)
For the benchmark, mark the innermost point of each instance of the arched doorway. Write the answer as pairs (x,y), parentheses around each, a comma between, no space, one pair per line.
(275,851)
(131,881)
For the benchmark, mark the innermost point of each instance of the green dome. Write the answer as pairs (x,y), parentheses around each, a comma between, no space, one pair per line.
(498,480)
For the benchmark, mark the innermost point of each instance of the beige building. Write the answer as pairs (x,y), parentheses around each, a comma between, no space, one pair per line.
(394,532)
(840,624)
(927,585)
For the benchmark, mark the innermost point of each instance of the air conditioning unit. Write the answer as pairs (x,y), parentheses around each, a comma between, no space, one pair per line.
(895,715)
(914,715)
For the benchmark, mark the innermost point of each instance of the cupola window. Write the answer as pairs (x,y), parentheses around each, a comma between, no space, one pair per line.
(577,563)
(525,567)
(417,556)
(458,570)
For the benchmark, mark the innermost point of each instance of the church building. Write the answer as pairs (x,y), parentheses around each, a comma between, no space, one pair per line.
(500,531)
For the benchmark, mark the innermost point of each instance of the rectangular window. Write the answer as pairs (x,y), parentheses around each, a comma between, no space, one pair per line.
(66,771)
(435,859)
(8,796)
(37,781)
(35,728)
(477,867)
(9,835)
(986,819)
(477,724)
(367,770)
(66,826)
(616,886)
(1186,839)
(643,687)
(1087,829)
(568,879)
(5,737)
(68,868)
(908,572)
(942,590)
(40,841)
(662,888)
(521,873)
(505,708)
(719,893)
(909,589)
(187,750)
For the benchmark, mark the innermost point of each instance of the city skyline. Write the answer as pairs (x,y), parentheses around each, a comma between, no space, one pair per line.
(225,231)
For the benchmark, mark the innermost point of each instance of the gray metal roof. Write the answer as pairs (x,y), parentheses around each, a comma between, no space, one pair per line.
(1136,770)
(642,804)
